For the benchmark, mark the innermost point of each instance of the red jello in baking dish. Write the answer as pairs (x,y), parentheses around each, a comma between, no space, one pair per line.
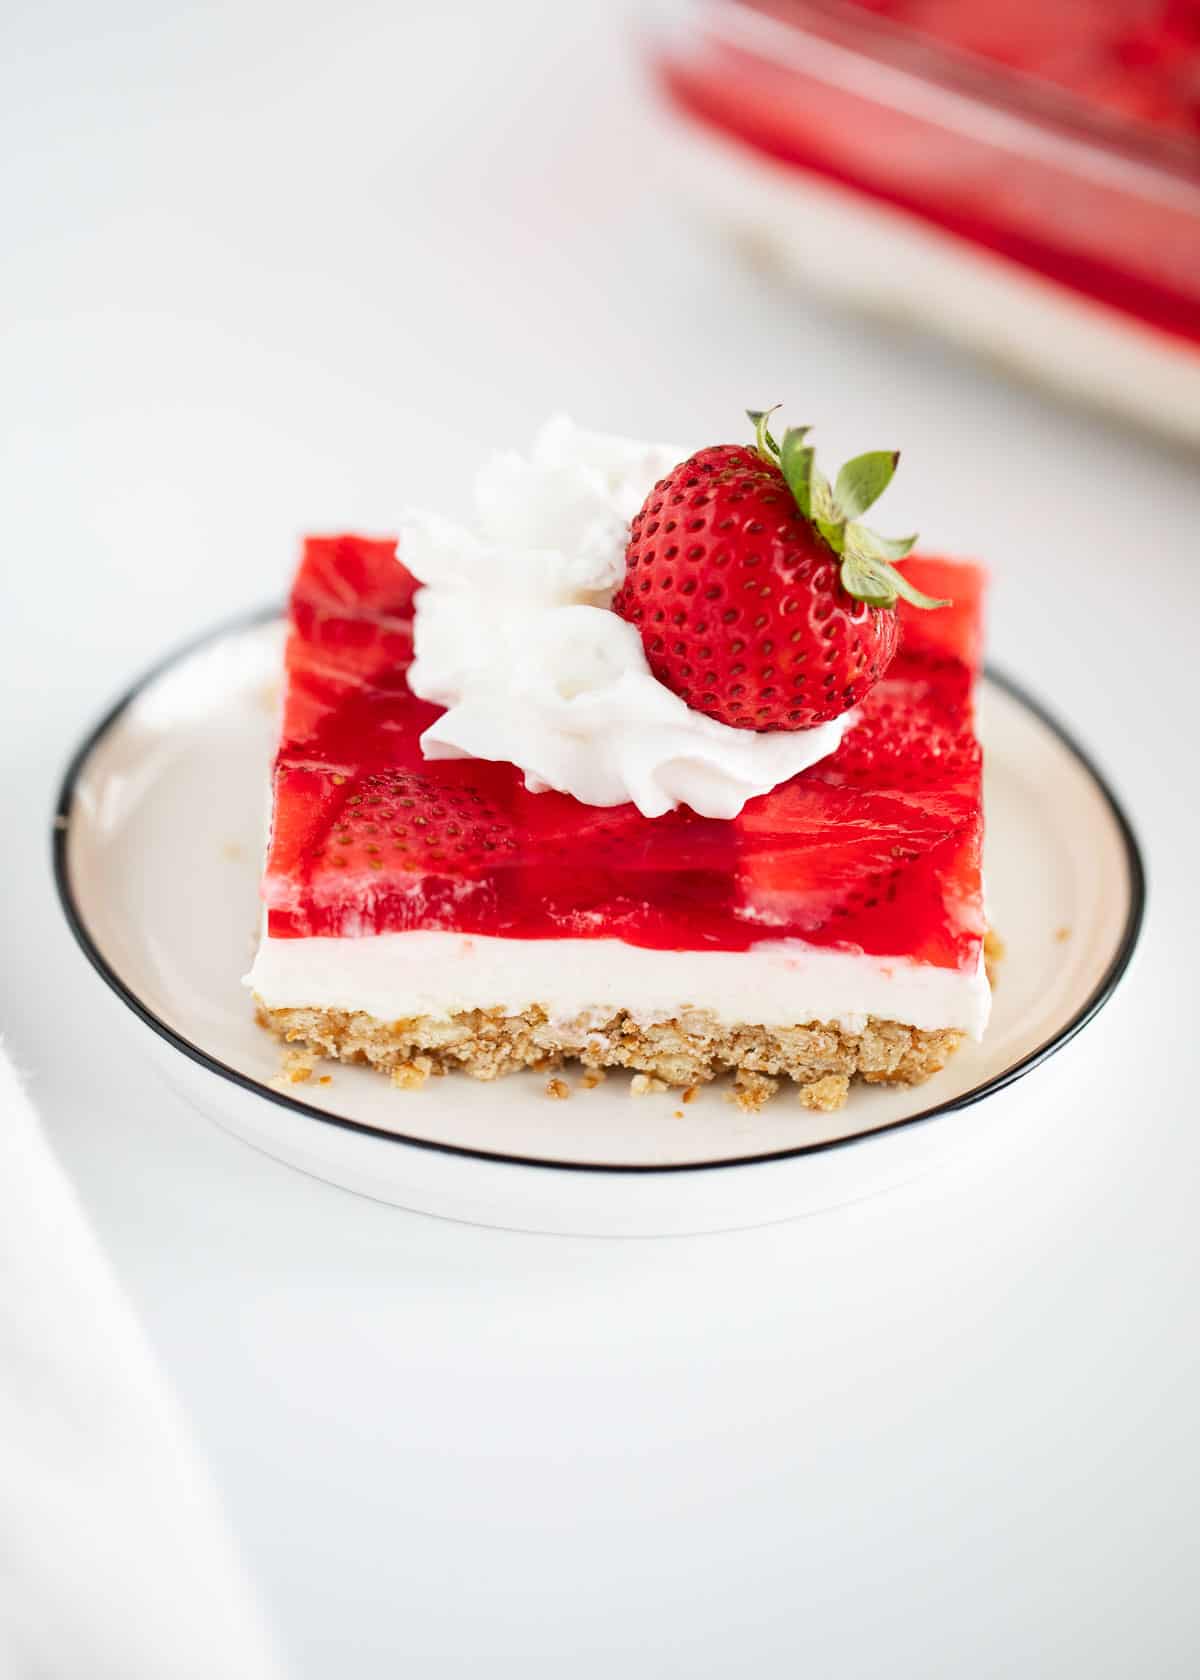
(1022,177)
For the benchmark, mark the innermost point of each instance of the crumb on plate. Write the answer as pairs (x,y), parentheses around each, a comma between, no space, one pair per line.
(752,1090)
(410,1076)
(826,1095)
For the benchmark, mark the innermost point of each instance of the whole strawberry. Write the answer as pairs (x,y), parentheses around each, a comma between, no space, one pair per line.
(760,599)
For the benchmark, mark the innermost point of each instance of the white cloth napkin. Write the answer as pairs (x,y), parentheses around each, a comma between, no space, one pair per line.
(114,1558)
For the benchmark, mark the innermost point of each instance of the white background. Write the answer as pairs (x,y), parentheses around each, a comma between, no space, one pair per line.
(271,268)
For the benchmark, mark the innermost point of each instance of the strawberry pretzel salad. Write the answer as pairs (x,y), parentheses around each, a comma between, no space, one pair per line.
(663,764)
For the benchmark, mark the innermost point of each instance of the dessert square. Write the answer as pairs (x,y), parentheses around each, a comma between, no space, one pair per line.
(424,915)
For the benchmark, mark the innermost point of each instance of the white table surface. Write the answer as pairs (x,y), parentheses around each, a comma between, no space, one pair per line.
(290,267)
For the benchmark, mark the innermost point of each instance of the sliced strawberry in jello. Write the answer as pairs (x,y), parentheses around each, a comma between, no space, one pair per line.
(875,849)
(463,843)
(393,848)
(815,856)
(305,802)
(342,679)
(910,733)
(954,632)
(349,647)
(344,575)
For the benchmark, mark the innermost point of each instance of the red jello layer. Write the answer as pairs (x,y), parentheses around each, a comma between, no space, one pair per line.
(876,849)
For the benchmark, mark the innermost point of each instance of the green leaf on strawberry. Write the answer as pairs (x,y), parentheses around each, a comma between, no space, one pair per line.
(863,480)
(796,464)
(764,442)
(883,548)
(867,572)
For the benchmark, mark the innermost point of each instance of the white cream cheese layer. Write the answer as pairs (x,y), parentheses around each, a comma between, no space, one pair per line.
(395,976)
(515,638)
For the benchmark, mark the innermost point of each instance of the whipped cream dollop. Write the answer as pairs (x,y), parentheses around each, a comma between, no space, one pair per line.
(514,636)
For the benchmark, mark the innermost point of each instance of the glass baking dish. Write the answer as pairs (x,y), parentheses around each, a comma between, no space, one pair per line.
(1023,176)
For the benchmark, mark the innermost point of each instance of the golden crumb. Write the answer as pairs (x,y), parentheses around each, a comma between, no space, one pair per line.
(558,1089)
(678,1114)
(826,1095)
(1062,934)
(690,1095)
(231,851)
(325,1079)
(594,1077)
(645,1085)
(295,1068)
(411,1075)
(751,1090)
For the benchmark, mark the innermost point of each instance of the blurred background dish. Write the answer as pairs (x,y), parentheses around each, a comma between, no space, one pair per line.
(1023,178)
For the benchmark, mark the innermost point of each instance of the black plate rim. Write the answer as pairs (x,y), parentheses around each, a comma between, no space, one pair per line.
(243,622)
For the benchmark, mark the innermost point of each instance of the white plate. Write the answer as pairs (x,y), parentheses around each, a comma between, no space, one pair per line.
(157,850)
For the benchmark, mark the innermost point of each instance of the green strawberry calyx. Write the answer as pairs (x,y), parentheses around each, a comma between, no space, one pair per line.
(833,510)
